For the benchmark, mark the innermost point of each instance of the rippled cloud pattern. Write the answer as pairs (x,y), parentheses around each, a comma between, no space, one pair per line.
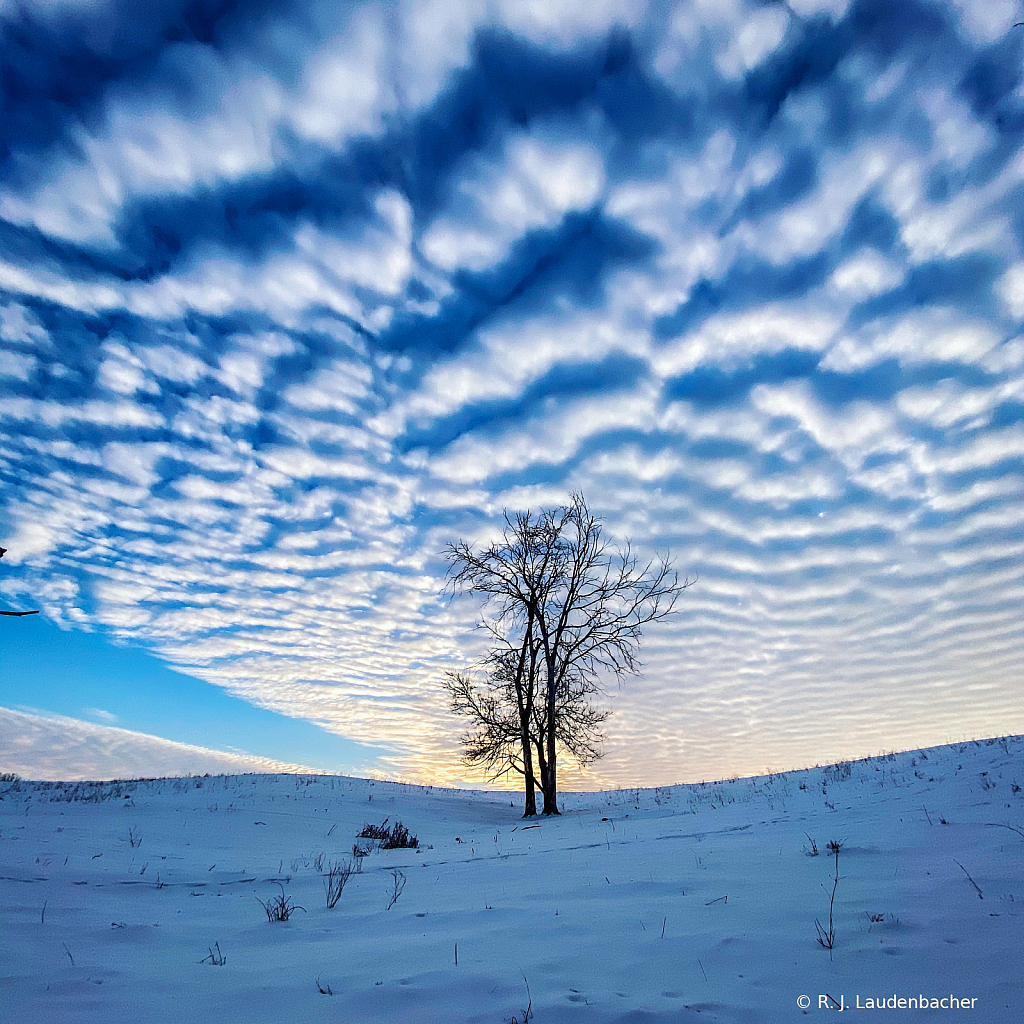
(293,294)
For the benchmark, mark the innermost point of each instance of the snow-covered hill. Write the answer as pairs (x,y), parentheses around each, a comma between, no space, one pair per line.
(675,904)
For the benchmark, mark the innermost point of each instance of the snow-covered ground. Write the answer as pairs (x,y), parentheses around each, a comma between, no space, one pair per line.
(676,904)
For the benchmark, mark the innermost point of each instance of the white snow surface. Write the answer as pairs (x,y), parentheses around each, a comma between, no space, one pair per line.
(686,903)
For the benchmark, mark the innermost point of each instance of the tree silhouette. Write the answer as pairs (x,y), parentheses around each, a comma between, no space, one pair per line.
(563,609)
(509,722)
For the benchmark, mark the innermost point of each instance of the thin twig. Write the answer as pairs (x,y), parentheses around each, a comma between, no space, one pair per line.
(828,938)
(998,824)
(969,879)
(701,966)
(398,878)
(528,1012)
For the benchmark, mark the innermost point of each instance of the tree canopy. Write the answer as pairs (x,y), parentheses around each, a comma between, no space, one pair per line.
(563,609)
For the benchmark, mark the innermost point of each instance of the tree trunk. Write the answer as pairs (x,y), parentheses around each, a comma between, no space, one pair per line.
(528,777)
(543,767)
(525,683)
(551,798)
(531,797)
(551,782)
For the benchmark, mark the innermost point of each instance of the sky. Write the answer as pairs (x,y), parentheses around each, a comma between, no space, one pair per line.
(292,295)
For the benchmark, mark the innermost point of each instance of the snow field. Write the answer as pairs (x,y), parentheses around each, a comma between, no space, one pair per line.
(682,903)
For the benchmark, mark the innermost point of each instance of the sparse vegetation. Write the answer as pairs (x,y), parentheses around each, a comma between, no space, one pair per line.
(279,908)
(526,1015)
(223,862)
(827,937)
(216,959)
(335,879)
(398,884)
(395,838)
(969,879)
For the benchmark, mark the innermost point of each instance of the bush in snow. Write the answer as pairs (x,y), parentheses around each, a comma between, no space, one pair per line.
(280,908)
(335,880)
(395,838)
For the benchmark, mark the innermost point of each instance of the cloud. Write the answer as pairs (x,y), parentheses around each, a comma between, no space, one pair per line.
(289,299)
(103,716)
(535,184)
(31,541)
(57,747)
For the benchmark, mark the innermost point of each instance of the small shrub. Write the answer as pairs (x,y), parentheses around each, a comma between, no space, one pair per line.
(358,853)
(395,838)
(527,1014)
(398,884)
(280,908)
(335,880)
(400,839)
(827,938)
(375,832)
(217,959)
(813,851)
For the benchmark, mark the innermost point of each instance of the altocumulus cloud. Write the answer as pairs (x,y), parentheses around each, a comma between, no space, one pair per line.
(290,296)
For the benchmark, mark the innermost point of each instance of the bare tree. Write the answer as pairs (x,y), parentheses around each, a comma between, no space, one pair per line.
(509,736)
(3,551)
(574,608)
(510,574)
